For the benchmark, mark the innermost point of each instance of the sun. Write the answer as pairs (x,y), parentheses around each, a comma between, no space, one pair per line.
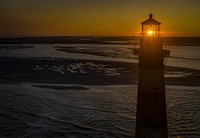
(150,32)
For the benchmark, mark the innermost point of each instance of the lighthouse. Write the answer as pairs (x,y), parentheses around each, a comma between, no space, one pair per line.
(151,117)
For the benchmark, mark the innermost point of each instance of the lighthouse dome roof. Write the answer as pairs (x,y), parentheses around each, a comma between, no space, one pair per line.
(150,21)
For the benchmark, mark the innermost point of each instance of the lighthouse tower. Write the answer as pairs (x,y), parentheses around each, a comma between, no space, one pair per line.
(151,118)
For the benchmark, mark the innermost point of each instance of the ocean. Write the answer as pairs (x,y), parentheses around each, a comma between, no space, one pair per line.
(87,87)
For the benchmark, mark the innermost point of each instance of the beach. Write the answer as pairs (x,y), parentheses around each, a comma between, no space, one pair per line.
(90,89)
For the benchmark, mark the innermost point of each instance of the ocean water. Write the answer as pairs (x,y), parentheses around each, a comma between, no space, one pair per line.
(32,109)
(97,111)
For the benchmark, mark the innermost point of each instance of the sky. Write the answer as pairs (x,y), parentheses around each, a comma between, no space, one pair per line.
(97,17)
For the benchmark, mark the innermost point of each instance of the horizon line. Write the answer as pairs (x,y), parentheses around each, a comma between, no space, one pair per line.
(35,36)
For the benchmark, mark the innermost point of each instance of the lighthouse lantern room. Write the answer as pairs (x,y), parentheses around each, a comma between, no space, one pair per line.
(151,27)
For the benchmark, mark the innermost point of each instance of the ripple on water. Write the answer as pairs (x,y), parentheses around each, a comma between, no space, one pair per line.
(96,111)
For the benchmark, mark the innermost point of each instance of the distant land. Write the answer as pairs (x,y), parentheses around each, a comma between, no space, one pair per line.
(187,41)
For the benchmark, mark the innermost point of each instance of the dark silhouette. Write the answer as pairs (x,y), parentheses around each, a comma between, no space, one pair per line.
(151,118)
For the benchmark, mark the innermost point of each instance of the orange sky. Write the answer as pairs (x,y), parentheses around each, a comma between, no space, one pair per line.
(97,17)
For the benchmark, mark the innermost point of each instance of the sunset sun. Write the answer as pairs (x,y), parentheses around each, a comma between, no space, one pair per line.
(150,32)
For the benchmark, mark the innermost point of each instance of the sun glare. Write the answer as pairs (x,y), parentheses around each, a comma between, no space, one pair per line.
(150,32)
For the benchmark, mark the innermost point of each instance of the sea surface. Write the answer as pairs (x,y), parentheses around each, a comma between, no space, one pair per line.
(31,108)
